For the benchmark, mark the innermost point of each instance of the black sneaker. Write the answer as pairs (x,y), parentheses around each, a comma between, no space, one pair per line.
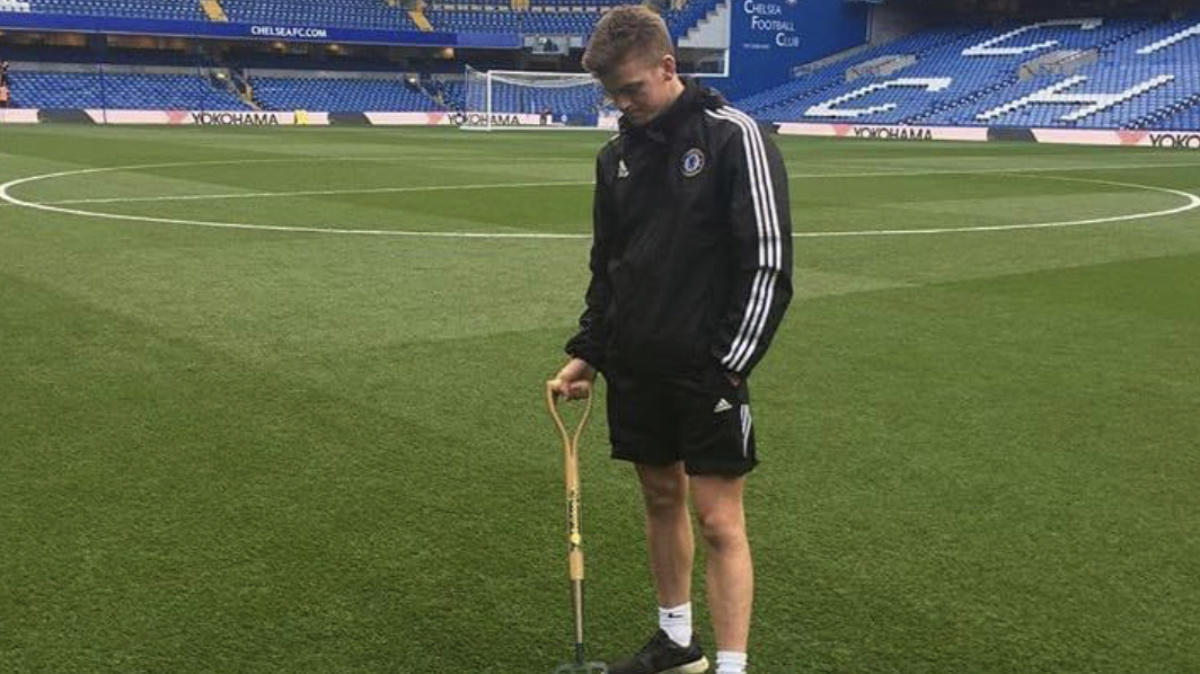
(661,655)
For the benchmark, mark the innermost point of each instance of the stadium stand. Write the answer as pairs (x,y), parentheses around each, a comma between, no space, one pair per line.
(1134,73)
(153,9)
(1130,85)
(788,101)
(496,19)
(346,13)
(548,17)
(543,17)
(1174,48)
(682,20)
(454,92)
(54,89)
(1187,117)
(974,78)
(535,100)
(523,100)
(340,94)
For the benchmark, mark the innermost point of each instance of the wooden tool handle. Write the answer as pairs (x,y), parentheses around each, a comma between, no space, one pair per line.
(570,441)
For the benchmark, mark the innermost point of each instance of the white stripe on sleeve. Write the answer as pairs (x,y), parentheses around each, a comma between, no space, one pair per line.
(762,193)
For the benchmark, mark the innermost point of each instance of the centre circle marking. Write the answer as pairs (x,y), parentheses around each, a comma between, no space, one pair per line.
(1193,202)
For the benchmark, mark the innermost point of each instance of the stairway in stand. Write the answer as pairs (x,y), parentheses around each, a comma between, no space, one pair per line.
(213,10)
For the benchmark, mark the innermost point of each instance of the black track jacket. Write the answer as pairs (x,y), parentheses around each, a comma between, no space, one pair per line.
(692,243)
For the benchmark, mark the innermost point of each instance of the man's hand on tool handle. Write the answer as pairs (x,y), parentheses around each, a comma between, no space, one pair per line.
(574,381)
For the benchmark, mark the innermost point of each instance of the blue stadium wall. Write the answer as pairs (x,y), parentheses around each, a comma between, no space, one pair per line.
(768,38)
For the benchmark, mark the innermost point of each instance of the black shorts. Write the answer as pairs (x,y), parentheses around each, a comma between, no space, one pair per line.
(701,419)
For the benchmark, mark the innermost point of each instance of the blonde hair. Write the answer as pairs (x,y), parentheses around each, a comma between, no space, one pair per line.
(626,31)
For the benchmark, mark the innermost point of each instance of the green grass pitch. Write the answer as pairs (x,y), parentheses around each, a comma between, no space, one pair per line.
(256,450)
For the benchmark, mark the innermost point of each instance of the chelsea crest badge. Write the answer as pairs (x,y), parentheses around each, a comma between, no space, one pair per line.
(693,162)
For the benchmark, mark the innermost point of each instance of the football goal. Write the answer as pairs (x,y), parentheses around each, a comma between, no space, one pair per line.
(513,99)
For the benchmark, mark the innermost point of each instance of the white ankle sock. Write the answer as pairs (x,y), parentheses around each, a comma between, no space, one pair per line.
(676,621)
(731,662)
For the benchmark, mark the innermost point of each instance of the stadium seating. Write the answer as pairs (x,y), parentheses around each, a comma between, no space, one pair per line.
(507,99)
(54,89)
(1172,47)
(971,78)
(788,101)
(14,6)
(547,17)
(339,94)
(1188,117)
(524,100)
(1135,73)
(498,19)
(454,92)
(153,9)
(543,17)
(346,13)
(680,21)
(1148,84)
(51,89)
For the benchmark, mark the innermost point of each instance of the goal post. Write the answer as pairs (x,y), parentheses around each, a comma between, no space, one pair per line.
(514,99)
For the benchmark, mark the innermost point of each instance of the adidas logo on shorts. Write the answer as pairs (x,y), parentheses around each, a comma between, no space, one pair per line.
(722,406)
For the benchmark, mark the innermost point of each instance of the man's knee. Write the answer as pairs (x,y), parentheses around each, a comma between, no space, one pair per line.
(719,511)
(664,488)
(723,527)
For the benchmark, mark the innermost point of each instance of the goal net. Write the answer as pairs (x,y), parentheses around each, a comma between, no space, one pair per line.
(511,99)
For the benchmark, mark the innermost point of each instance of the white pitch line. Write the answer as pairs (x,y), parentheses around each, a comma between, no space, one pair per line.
(311,193)
(903,173)
(484,186)
(1193,203)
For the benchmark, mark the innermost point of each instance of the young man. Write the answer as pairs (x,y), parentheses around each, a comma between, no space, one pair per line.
(4,93)
(691,273)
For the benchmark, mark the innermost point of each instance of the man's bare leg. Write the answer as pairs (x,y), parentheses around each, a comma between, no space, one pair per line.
(729,568)
(668,531)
